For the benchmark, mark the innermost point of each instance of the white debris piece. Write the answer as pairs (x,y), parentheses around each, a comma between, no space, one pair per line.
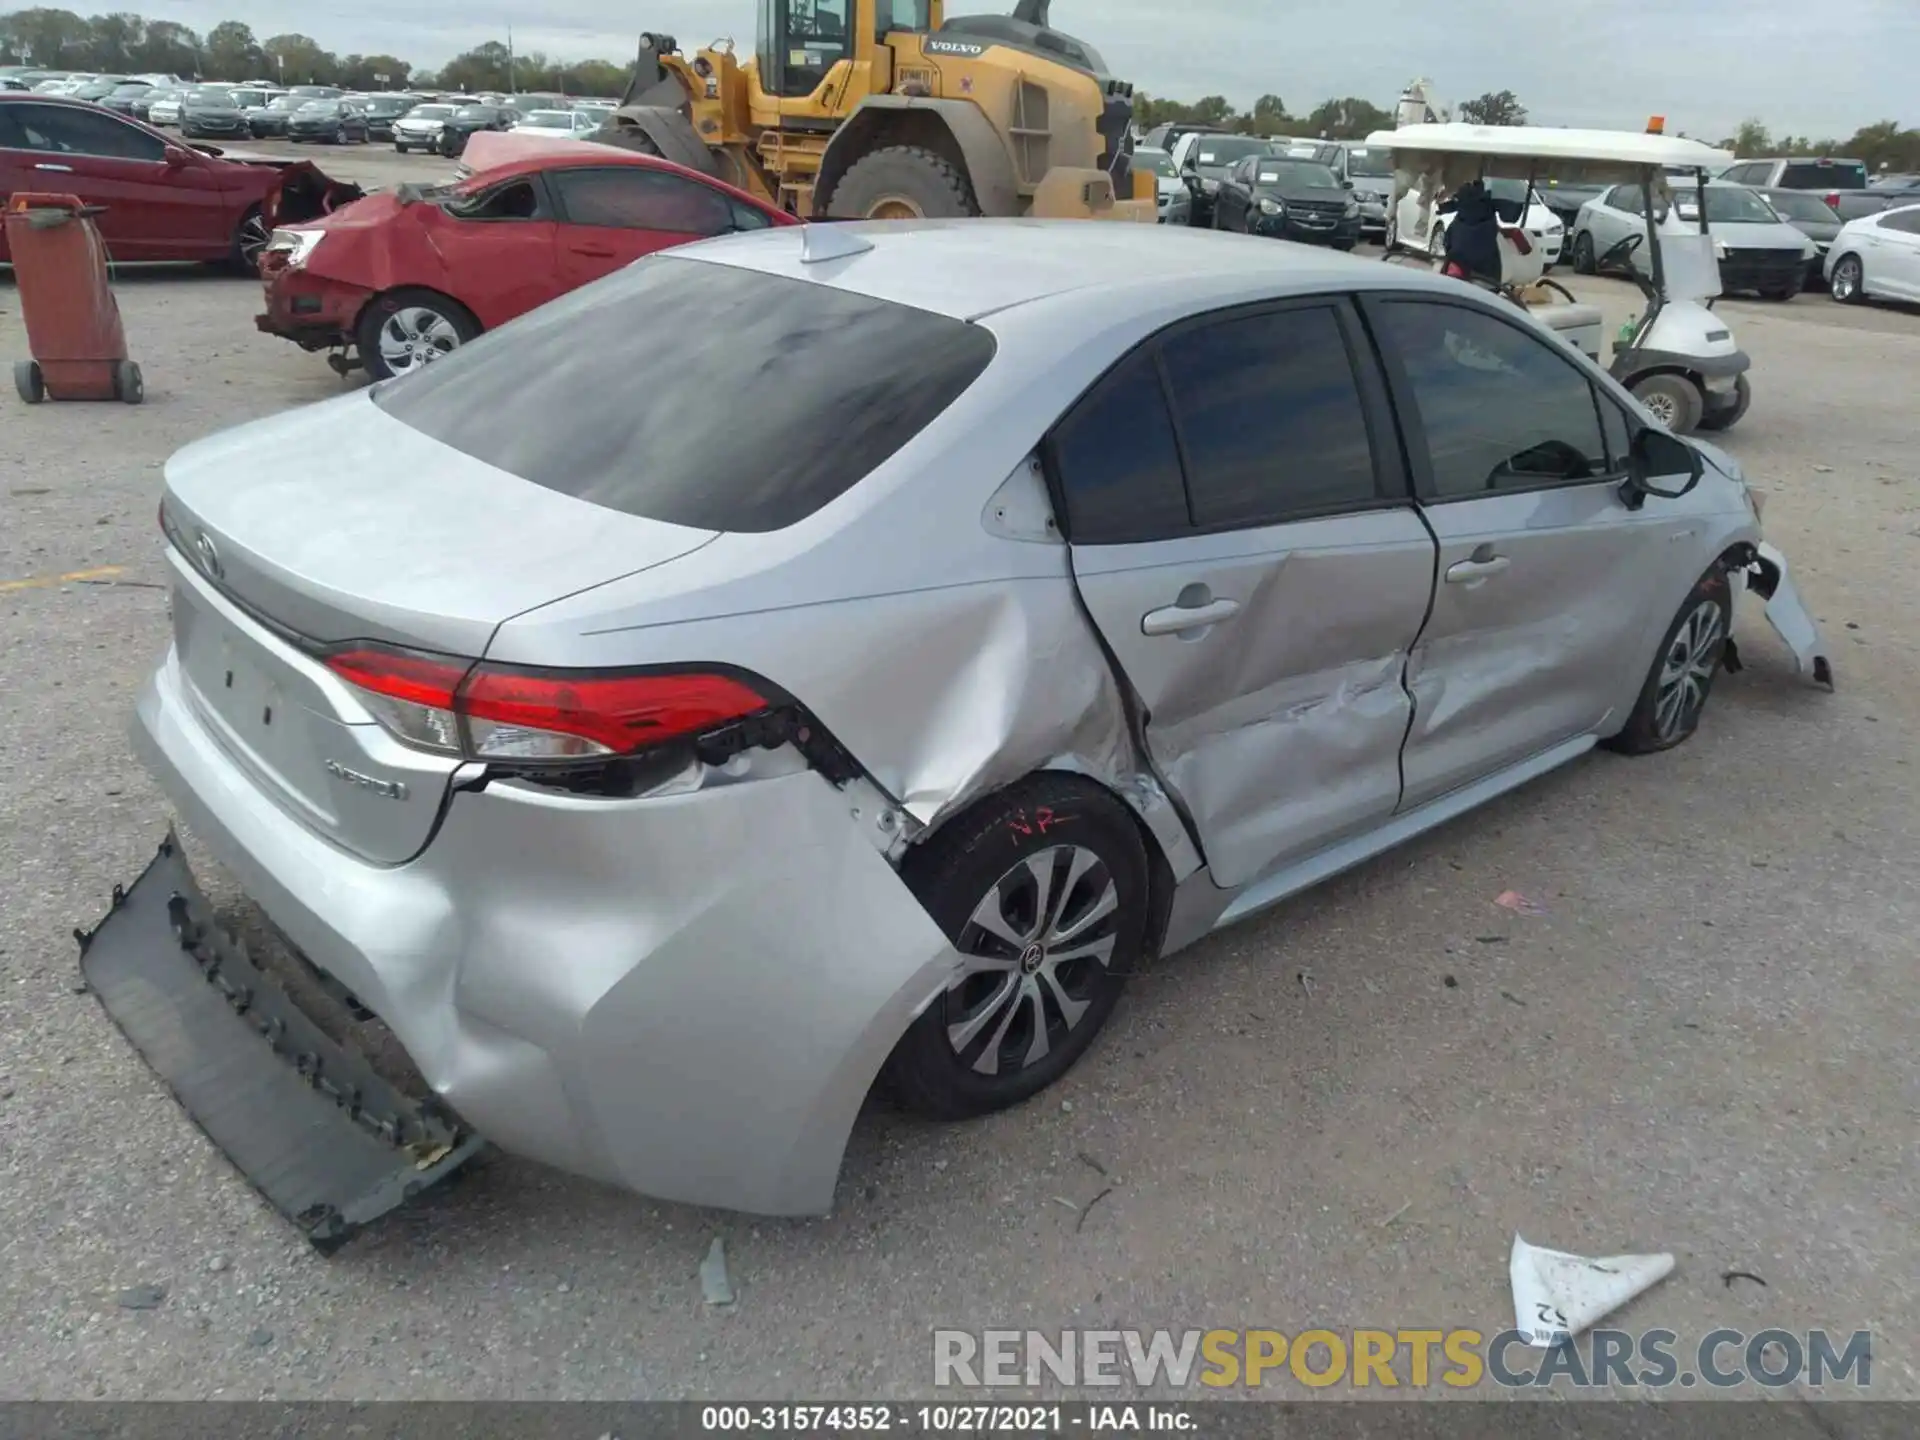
(1556,1295)
(714,1280)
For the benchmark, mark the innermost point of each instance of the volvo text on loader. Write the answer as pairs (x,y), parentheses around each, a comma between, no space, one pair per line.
(885,109)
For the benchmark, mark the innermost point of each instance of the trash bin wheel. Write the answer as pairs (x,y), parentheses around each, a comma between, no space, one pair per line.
(28,380)
(127,384)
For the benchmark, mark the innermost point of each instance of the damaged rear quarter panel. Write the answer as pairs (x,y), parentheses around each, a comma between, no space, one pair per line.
(947,659)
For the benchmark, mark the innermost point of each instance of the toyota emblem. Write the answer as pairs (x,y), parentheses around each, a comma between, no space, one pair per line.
(209,554)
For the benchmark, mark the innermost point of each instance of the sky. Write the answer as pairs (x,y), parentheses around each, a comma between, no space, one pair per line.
(1822,69)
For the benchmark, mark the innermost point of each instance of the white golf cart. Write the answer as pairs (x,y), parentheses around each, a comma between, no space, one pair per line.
(1679,358)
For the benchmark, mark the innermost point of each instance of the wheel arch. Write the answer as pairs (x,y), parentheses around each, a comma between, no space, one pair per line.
(955,130)
(1171,854)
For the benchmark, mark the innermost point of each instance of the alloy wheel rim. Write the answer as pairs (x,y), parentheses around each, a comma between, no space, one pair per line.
(253,239)
(415,336)
(1031,953)
(1687,670)
(1844,280)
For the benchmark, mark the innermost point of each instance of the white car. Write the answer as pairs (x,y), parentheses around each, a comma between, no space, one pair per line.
(561,124)
(1542,226)
(1755,248)
(166,110)
(419,128)
(1876,257)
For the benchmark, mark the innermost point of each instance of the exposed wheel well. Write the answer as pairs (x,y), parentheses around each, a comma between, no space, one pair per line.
(1159,870)
(878,129)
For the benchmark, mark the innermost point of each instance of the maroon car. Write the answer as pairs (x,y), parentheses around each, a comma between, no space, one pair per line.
(163,200)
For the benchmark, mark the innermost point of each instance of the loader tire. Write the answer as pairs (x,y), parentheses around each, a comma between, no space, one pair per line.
(902,182)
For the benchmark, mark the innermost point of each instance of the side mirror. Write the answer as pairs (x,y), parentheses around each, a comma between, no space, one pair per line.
(1346,184)
(1662,465)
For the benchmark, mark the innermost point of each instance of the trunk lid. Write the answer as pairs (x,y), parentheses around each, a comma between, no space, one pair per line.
(337,523)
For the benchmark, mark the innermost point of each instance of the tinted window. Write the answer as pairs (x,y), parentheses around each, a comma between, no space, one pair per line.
(1502,410)
(627,198)
(68,130)
(1270,417)
(1808,175)
(1116,460)
(809,390)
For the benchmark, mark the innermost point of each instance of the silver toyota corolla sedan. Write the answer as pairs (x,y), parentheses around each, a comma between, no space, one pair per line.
(665,744)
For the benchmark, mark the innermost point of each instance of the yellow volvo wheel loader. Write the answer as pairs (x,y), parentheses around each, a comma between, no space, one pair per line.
(885,109)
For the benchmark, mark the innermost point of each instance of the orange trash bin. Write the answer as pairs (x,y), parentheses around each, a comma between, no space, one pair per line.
(74,333)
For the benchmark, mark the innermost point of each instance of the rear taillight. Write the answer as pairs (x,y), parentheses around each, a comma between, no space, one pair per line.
(1832,197)
(503,712)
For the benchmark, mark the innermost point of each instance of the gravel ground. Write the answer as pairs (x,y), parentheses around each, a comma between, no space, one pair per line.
(1703,1045)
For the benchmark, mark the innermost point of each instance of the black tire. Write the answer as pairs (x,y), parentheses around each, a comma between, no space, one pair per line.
(1345,244)
(1849,283)
(382,308)
(1694,649)
(1390,238)
(399,148)
(993,856)
(1779,293)
(1674,398)
(907,177)
(129,387)
(28,380)
(250,237)
(1583,254)
(1726,419)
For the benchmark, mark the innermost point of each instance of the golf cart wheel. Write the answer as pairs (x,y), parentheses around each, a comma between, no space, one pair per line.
(1043,890)
(408,329)
(1436,239)
(1390,238)
(1675,401)
(1726,419)
(1684,668)
(128,385)
(1583,254)
(1849,284)
(28,380)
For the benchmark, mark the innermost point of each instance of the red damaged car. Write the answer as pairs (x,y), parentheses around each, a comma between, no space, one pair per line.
(396,280)
(161,200)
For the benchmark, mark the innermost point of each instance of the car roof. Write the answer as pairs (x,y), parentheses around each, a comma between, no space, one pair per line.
(969,268)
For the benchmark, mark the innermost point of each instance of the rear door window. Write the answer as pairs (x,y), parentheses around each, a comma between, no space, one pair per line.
(629,198)
(70,130)
(1117,462)
(1270,418)
(592,396)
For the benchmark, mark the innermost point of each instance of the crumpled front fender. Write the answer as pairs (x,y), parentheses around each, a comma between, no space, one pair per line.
(1787,613)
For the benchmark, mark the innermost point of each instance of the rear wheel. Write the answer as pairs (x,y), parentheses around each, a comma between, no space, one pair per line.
(28,380)
(406,330)
(1583,254)
(902,182)
(1043,890)
(1849,285)
(1675,401)
(399,147)
(129,386)
(1436,240)
(1683,671)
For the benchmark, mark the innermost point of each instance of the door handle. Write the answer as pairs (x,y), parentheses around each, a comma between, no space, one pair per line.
(1467,572)
(1173,619)
(62,169)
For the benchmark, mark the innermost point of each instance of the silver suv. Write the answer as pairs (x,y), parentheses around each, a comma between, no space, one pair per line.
(665,745)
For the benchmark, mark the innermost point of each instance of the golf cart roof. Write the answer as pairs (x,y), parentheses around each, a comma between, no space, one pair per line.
(1539,142)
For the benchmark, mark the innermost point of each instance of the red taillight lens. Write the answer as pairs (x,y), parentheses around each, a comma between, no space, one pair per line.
(503,712)
(1833,198)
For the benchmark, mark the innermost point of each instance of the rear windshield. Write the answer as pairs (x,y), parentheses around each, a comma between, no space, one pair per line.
(806,391)
(1827,175)
(1369,164)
